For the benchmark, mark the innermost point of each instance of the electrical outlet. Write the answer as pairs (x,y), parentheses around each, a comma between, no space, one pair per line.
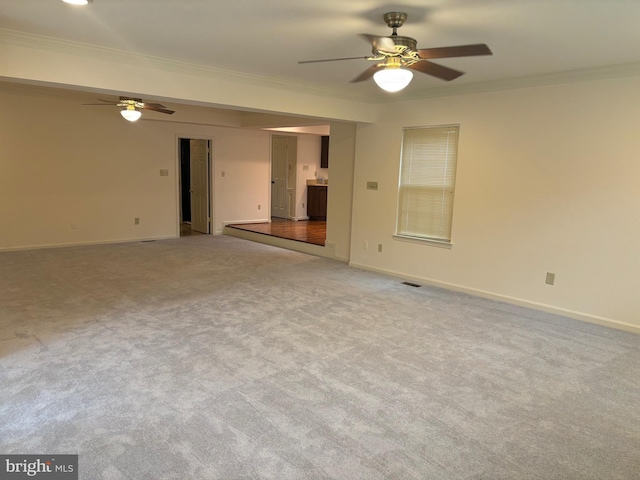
(302,204)
(223,174)
(259,207)
(164,173)
(73,226)
(551,278)
(305,168)
(365,245)
(380,247)
(372,185)
(136,221)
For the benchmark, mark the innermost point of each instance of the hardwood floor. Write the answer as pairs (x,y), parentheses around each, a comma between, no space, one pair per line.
(307,231)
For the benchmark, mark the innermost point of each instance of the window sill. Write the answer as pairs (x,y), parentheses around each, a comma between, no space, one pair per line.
(429,241)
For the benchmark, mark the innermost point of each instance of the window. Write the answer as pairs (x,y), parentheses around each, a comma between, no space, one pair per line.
(427,181)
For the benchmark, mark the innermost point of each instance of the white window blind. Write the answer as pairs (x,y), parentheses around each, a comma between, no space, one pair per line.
(427,182)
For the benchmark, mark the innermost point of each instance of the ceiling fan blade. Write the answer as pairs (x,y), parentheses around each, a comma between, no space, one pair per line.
(106,102)
(433,69)
(368,73)
(459,51)
(101,104)
(156,107)
(382,44)
(333,59)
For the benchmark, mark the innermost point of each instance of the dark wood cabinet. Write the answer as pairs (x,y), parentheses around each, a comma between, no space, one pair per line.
(317,202)
(324,152)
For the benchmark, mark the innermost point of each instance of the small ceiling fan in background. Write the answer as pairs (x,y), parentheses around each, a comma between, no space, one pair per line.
(131,107)
(397,57)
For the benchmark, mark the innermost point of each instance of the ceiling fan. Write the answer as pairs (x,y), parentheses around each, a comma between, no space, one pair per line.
(131,107)
(397,57)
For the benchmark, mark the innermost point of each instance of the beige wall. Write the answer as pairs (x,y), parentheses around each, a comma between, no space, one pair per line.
(73,174)
(340,189)
(547,181)
(63,181)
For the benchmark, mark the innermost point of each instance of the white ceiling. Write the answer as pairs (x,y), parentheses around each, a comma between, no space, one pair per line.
(529,38)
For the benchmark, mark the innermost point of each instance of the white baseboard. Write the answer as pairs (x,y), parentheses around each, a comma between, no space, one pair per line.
(585,317)
(80,244)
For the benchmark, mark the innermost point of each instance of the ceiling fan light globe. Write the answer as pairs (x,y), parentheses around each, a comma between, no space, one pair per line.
(77,2)
(393,79)
(131,114)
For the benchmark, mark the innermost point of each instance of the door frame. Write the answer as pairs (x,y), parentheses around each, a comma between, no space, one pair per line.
(210,180)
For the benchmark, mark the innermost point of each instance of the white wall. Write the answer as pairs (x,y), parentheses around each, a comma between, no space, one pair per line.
(73,174)
(547,181)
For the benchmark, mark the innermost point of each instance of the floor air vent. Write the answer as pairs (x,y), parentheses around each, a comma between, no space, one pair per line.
(411,284)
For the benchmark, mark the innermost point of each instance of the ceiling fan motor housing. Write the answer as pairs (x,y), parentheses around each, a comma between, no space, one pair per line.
(395,19)
(402,47)
(408,42)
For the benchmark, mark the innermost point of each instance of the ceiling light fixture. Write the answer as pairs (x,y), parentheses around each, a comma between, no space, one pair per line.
(78,2)
(130,113)
(393,78)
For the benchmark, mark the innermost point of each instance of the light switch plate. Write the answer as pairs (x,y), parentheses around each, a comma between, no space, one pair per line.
(372,185)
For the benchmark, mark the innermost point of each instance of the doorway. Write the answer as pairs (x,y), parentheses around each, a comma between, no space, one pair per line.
(195,186)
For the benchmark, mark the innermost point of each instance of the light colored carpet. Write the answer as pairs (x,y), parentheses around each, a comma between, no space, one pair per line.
(218,358)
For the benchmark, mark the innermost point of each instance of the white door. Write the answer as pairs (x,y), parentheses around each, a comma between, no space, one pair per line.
(199,188)
(279,165)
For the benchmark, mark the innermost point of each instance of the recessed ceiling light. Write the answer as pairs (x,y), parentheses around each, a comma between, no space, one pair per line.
(78,2)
